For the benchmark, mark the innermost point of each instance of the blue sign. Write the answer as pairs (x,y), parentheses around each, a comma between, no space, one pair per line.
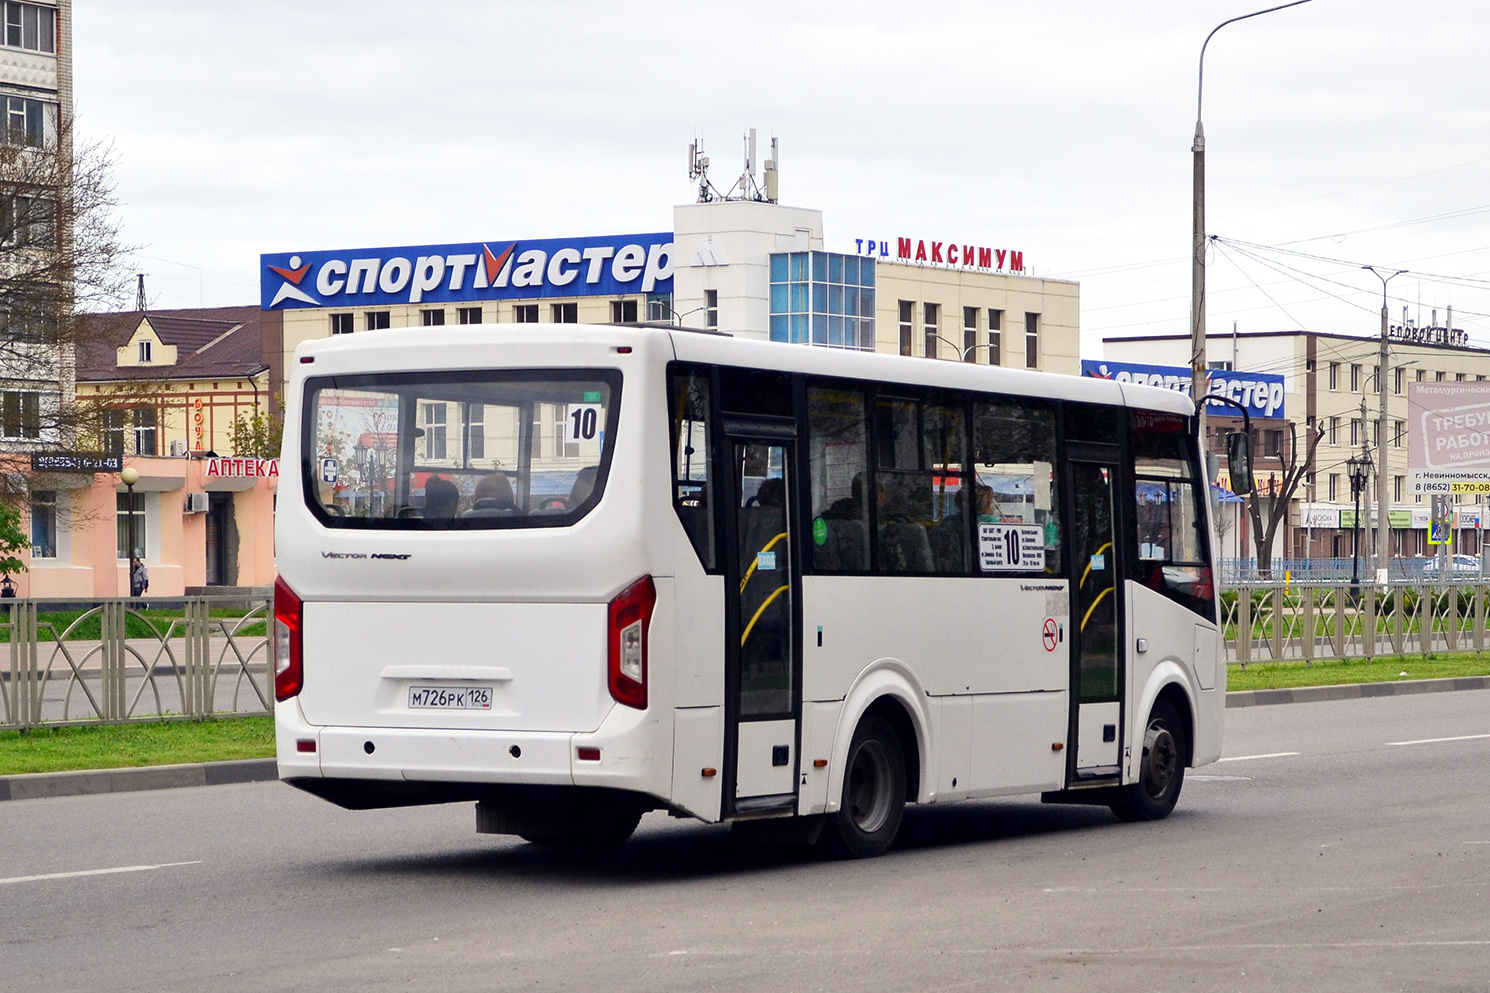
(607,265)
(1260,392)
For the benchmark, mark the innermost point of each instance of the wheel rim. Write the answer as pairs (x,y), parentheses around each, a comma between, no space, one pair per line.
(1161,760)
(868,800)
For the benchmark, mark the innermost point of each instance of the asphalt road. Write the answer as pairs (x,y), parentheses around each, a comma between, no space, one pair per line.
(1356,860)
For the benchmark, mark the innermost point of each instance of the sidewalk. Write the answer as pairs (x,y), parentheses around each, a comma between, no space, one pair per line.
(163,777)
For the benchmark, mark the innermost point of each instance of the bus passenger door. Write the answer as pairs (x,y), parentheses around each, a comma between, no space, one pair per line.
(1096,593)
(762,584)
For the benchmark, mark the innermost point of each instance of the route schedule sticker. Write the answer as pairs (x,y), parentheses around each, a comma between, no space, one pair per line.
(1011,547)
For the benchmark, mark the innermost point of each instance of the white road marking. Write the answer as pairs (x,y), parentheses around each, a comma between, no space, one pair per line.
(1269,755)
(1192,778)
(1434,741)
(93,872)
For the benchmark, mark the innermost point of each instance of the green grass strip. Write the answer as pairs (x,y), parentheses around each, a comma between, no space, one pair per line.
(116,746)
(1332,672)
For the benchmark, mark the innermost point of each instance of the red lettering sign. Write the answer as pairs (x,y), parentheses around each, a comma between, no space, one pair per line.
(903,246)
(965,256)
(952,253)
(920,251)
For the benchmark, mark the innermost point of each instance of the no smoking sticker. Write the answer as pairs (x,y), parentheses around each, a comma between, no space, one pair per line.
(1050,635)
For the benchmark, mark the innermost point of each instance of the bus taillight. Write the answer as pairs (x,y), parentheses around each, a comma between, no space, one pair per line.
(630,614)
(288,675)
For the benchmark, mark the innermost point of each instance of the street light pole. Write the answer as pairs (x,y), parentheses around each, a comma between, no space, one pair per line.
(1383,503)
(1197,234)
(1359,467)
(129,477)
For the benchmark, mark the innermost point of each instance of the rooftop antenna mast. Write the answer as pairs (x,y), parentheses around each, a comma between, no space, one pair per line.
(140,292)
(747,187)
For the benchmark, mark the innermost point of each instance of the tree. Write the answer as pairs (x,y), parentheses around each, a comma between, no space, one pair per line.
(1278,497)
(258,435)
(60,254)
(12,539)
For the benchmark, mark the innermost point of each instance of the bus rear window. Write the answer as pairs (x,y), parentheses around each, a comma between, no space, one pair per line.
(458,450)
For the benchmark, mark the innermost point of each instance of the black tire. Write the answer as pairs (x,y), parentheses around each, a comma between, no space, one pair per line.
(1161,769)
(587,826)
(873,793)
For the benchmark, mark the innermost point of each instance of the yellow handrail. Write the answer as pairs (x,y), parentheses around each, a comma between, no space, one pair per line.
(746,578)
(1088,568)
(758,611)
(1088,614)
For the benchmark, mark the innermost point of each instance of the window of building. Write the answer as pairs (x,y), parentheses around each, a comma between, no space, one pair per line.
(1397,377)
(1420,376)
(26,122)
(43,524)
(28,222)
(1438,377)
(1375,432)
(711,308)
(907,326)
(1459,377)
(475,429)
(468,315)
(113,432)
(525,313)
(1399,433)
(995,334)
(22,414)
(1355,431)
(1399,485)
(1032,341)
(434,430)
(341,323)
(561,433)
(1334,432)
(377,320)
(1334,487)
(969,334)
(660,307)
(31,27)
(432,318)
(1375,383)
(144,430)
(1272,443)
(822,298)
(1334,375)
(623,311)
(129,520)
(1355,377)
(932,312)
(566,313)
(144,352)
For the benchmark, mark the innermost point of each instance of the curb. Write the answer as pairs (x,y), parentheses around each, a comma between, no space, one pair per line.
(1354,691)
(84,782)
(35,786)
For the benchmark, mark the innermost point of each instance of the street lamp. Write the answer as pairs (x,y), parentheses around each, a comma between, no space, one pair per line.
(1383,524)
(129,477)
(1197,241)
(1359,467)
(961,352)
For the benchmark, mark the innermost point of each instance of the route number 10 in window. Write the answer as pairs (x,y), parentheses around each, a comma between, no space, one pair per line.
(584,421)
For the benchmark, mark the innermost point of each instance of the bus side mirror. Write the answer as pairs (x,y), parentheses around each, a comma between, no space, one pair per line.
(1239,462)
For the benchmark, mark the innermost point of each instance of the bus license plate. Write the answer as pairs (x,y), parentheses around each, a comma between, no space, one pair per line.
(450,697)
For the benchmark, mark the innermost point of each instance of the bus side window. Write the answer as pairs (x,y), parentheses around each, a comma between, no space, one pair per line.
(692,460)
(1014,475)
(838,440)
(1172,547)
(922,453)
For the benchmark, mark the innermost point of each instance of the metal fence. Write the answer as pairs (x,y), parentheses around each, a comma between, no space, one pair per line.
(1266,622)
(1336,570)
(109,661)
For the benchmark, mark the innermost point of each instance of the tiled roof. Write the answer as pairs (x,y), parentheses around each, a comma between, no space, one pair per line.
(210,341)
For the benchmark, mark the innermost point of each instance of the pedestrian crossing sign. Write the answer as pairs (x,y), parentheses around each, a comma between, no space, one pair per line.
(1438,533)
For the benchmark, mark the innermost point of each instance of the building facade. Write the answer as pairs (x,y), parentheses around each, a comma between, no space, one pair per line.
(743,267)
(1331,387)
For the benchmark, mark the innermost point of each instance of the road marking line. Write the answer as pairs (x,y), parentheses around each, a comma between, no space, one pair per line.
(1269,755)
(1434,741)
(1193,778)
(93,872)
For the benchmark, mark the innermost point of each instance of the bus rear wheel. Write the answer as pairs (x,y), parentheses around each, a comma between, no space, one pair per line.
(1161,770)
(873,800)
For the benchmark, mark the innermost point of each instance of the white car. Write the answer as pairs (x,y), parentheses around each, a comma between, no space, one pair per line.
(1460,567)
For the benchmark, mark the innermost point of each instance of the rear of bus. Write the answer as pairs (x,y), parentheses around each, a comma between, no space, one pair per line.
(465,587)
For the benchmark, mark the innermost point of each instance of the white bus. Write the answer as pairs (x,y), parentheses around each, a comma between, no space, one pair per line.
(576,573)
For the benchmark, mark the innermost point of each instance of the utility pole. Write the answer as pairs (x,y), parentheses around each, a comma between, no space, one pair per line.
(1383,502)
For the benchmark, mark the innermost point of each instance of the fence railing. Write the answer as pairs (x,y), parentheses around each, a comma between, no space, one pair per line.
(1266,622)
(113,660)
(1329,570)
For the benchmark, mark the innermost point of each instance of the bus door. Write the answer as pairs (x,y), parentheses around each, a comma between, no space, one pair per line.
(1097,672)
(762,584)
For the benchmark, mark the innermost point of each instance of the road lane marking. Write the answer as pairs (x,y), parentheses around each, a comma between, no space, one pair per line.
(1269,755)
(93,872)
(1204,778)
(1434,741)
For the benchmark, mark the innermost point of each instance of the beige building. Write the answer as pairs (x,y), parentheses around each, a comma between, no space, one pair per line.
(749,268)
(1331,385)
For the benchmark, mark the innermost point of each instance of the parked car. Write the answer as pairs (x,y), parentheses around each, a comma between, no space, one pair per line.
(1460,567)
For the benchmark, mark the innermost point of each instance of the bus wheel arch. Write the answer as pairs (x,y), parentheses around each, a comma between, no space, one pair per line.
(1164,748)
(890,693)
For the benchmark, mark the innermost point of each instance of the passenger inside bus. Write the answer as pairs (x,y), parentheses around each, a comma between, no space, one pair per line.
(584,484)
(493,497)
(440,499)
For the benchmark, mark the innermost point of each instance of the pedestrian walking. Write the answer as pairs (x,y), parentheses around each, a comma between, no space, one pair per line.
(139,577)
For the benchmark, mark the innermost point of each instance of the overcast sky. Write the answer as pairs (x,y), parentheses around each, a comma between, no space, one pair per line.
(1355,131)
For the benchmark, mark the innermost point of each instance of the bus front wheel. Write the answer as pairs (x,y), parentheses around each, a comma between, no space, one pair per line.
(873,793)
(1161,770)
